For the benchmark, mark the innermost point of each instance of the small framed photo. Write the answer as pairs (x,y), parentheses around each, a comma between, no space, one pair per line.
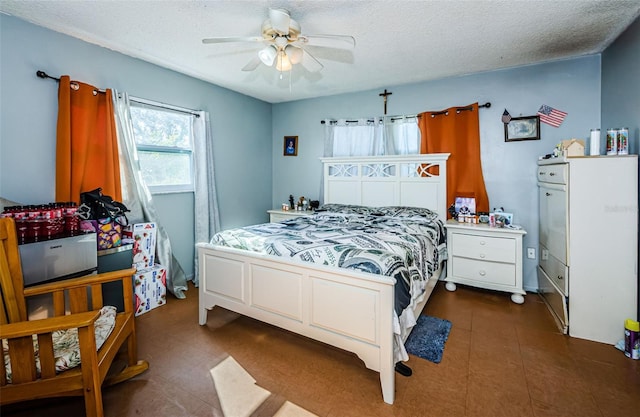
(522,128)
(290,146)
(500,219)
(465,205)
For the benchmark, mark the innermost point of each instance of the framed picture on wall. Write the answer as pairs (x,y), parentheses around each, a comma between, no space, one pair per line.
(522,128)
(290,146)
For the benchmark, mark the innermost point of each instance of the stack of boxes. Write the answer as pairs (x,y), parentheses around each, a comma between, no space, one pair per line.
(150,281)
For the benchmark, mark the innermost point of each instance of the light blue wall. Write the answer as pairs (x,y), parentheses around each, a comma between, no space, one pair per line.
(509,168)
(621,91)
(241,126)
(245,129)
(621,85)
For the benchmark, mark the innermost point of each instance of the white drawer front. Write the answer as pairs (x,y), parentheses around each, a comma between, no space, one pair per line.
(555,174)
(484,248)
(557,272)
(491,272)
(276,218)
(556,301)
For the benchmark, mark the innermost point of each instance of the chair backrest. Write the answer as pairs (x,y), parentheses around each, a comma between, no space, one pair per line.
(13,307)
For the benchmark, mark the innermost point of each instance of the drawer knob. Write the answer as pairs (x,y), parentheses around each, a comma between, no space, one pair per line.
(541,173)
(547,194)
(560,277)
(482,255)
(482,242)
(552,174)
(482,273)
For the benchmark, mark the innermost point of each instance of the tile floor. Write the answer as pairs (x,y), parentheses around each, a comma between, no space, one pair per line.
(501,359)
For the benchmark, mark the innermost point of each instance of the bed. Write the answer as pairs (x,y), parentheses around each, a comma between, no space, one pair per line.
(349,308)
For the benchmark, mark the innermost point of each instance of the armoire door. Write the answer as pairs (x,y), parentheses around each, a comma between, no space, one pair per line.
(553,220)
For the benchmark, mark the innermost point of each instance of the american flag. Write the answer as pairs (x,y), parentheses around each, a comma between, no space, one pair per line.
(551,116)
(506,117)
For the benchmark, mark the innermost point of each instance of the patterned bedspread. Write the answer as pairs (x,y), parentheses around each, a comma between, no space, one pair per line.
(404,243)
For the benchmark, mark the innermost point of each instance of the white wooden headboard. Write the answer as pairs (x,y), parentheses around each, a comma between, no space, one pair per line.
(392,180)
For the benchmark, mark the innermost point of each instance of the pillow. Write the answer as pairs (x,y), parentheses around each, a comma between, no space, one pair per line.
(392,211)
(349,209)
(66,346)
(408,212)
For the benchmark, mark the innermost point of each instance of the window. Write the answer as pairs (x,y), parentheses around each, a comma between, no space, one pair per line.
(164,139)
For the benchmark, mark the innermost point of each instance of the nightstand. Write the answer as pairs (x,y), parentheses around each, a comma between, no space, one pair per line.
(485,257)
(276,216)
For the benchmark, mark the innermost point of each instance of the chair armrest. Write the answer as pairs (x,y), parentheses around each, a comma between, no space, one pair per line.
(28,328)
(79,282)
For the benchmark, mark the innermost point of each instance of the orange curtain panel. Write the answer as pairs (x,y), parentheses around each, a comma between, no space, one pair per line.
(86,147)
(457,132)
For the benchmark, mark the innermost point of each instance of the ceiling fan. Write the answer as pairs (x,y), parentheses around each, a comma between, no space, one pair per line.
(285,44)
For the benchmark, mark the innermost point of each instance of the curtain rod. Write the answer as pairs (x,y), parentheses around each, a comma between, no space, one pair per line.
(164,106)
(392,118)
(458,110)
(44,75)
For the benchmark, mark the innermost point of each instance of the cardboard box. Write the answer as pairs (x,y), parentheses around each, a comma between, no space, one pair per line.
(150,289)
(144,243)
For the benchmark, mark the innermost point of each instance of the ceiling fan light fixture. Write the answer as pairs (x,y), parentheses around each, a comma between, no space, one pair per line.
(283,44)
(268,55)
(294,53)
(283,63)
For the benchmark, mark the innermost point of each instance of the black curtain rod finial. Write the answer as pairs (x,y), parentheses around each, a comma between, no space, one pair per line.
(43,75)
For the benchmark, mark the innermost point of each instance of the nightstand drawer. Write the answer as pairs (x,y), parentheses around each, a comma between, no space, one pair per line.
(484,248)
(483,272)
(276,216)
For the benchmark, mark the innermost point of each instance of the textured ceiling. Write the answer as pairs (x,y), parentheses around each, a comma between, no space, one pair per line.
(397,42)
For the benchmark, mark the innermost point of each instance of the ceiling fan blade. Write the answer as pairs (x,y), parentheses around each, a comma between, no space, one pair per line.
(252,65)
(328,41)
(233,39)
(310,63)
(280,20)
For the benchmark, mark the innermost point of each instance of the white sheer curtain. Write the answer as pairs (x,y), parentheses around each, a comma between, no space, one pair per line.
(360,138)
(374,136)
(136,195)
(207,217)
(402,136)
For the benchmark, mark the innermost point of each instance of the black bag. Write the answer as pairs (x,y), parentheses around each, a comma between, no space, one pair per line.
(95,205)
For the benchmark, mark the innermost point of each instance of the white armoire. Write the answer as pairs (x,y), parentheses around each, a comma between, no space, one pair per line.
(588,258)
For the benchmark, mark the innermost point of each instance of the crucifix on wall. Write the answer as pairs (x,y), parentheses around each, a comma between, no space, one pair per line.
(384,95)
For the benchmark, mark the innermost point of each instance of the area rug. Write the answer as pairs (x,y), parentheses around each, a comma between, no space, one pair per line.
(428,337)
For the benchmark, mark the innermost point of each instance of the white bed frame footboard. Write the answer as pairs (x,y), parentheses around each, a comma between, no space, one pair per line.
(341,307)
(351,311)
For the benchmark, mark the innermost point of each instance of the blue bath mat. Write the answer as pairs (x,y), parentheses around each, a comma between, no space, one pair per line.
(428,337)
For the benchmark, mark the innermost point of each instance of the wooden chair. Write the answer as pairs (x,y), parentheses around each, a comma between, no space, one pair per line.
(29,381)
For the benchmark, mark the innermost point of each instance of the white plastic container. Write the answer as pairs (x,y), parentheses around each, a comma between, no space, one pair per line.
(594,143)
